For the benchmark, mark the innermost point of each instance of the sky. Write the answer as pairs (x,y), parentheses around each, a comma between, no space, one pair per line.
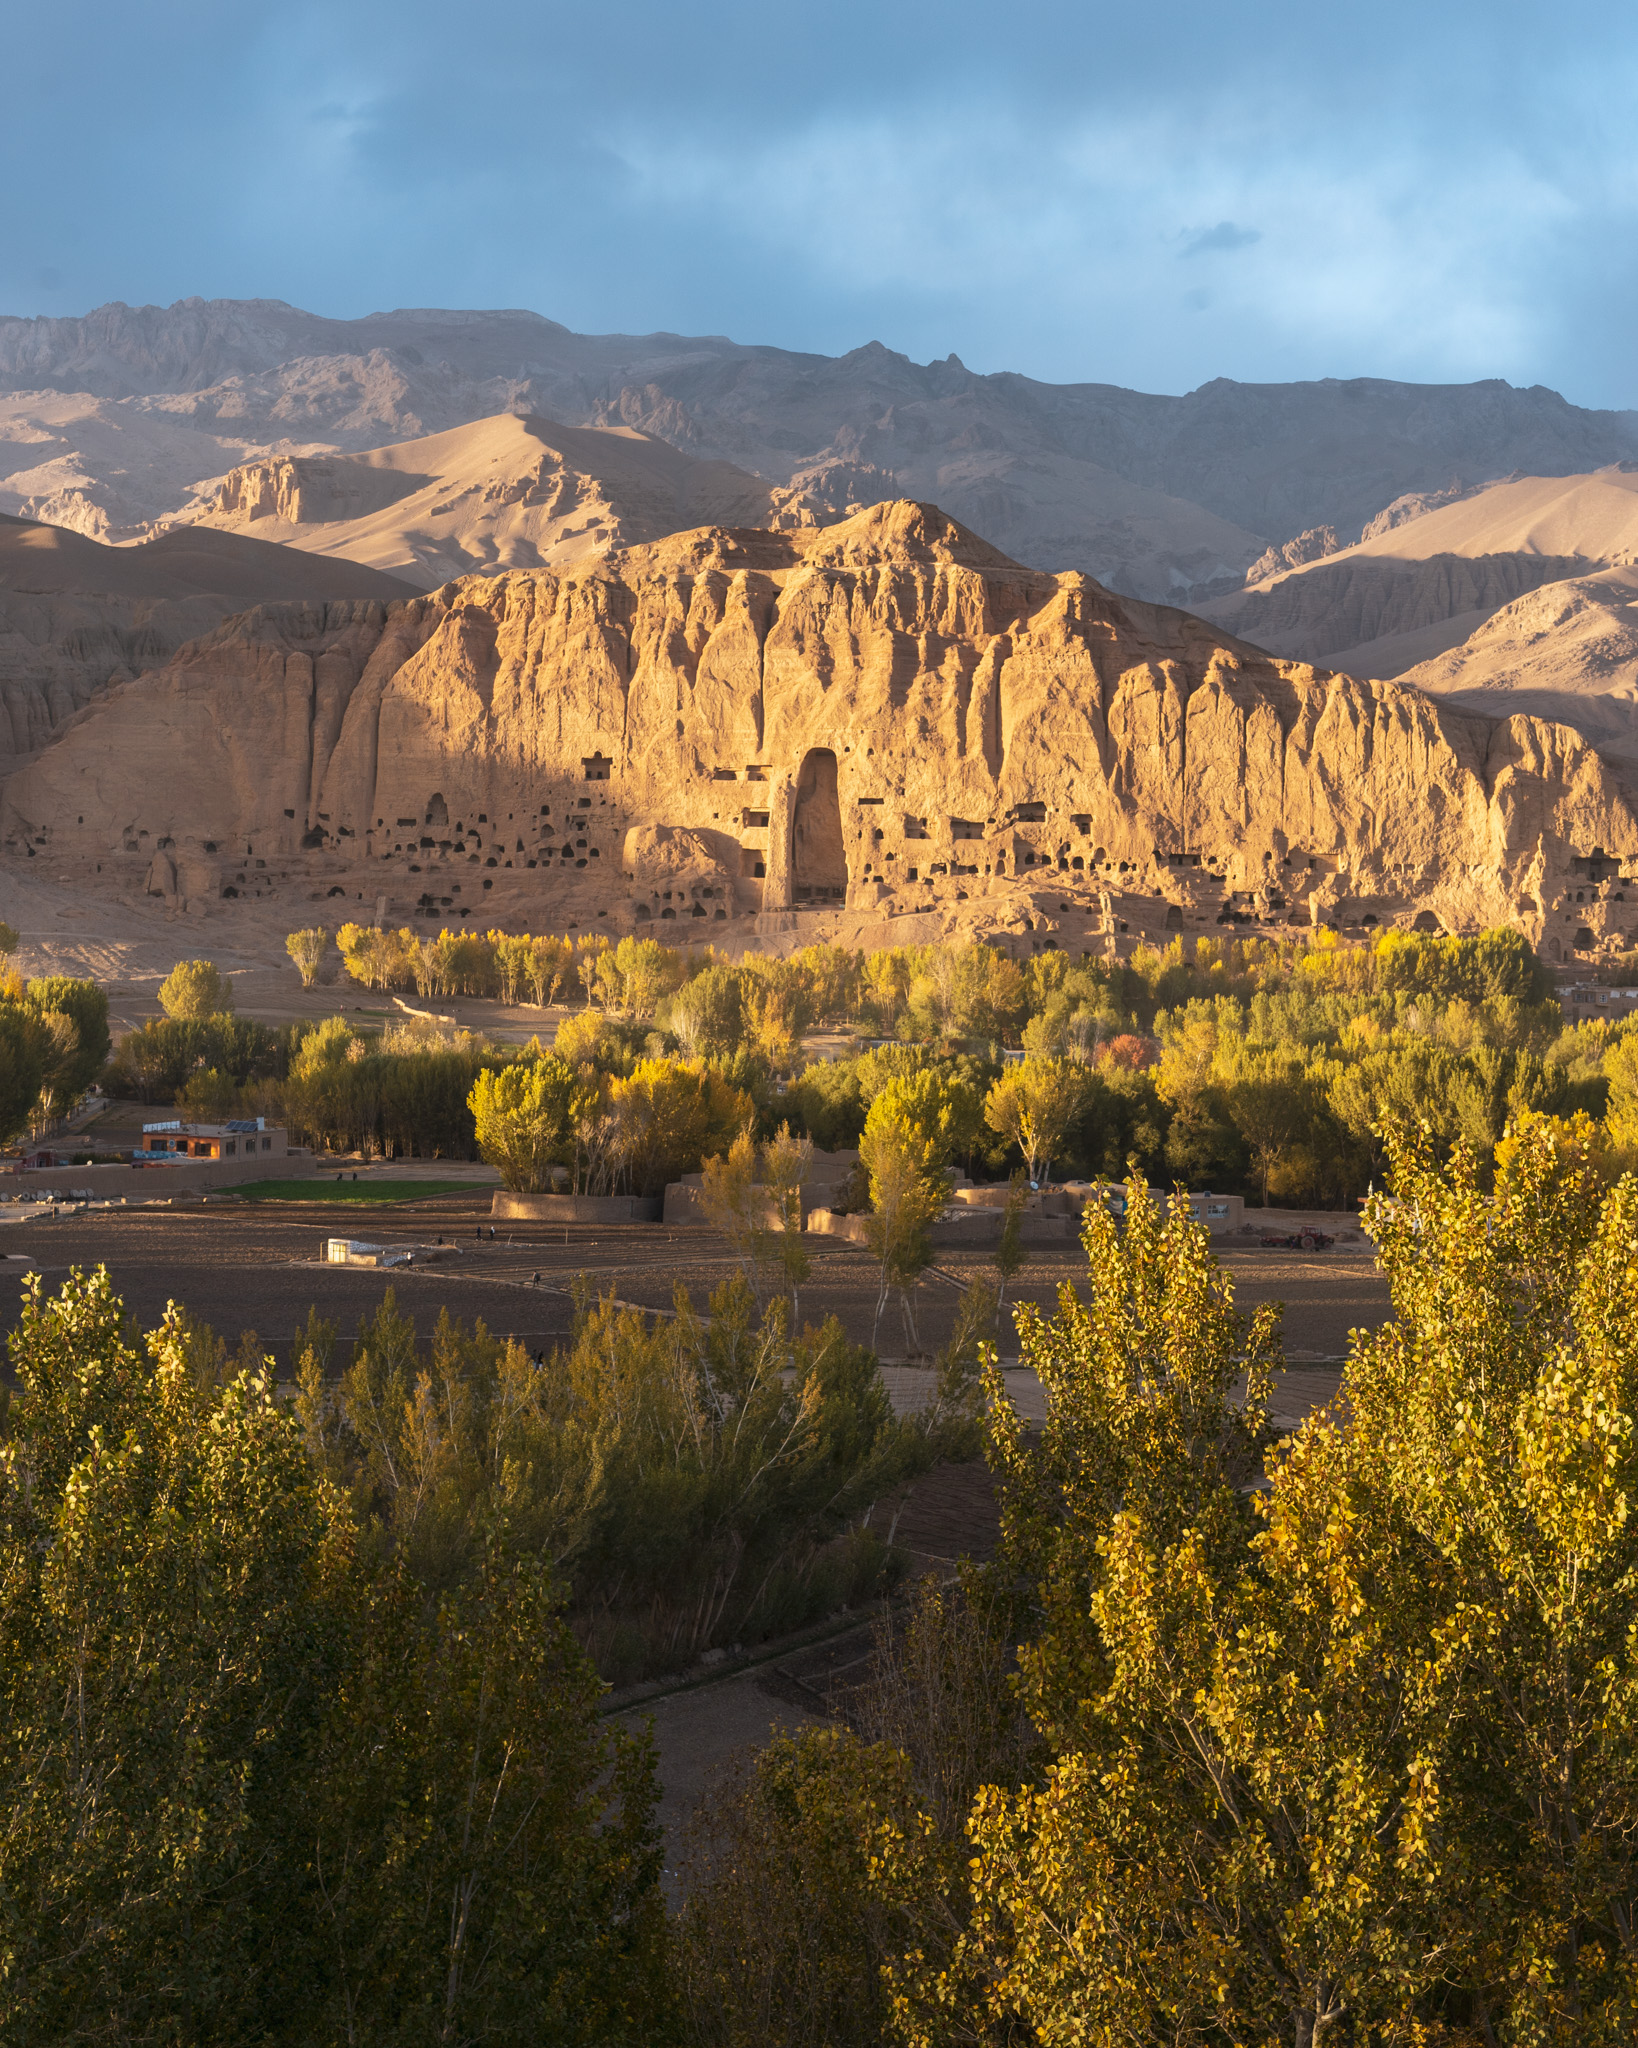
(1150,195)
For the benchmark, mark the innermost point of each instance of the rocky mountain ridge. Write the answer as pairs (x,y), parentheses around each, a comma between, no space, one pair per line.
(1509,595)
(1167,497)
(514,491)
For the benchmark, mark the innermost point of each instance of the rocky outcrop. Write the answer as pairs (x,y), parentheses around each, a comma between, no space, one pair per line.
(1414,505)
(1313,546)
(510,491)
(298,490)
(877,716)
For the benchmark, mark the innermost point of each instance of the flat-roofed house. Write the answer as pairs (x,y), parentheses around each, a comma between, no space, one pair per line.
(239,1138)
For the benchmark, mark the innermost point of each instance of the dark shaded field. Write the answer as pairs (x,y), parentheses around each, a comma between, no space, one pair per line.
(260,1266)
(350,1193)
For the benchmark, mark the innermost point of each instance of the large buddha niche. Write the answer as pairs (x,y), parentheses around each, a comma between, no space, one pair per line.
(818,859)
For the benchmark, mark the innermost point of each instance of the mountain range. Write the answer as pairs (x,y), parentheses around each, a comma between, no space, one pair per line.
(127,417)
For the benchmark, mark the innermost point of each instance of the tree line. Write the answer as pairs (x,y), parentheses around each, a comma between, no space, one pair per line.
(54,1044)
(1261,1066)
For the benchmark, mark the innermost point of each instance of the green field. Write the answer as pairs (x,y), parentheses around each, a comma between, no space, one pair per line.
(363,1191)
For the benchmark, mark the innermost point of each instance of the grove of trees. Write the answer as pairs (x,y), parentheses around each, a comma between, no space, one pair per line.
(1247,1738)
(1262,1066)
(1267,1067)
(262,1779)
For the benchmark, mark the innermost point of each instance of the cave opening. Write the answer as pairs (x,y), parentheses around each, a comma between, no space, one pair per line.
(818,854)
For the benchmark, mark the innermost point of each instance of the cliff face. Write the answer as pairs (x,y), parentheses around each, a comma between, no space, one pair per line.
(884,714)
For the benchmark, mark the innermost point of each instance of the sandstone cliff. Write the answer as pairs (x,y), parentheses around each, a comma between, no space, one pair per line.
(880,716)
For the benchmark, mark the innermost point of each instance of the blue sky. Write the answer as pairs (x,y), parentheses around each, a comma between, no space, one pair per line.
(1150,195)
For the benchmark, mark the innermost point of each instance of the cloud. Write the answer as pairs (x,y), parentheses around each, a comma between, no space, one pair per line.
(1449,218)
(1057,254)
(1226,235)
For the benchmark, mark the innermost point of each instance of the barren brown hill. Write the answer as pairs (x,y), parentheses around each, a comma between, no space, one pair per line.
(508,492)
(75,615)
(881,728)
(1424,579)
(189,562)
(1568,651)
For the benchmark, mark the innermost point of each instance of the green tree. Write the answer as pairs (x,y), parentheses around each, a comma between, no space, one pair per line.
(549,961)
(779,1007)
(707,1014)
(193,989)
(380,959)
(1347,1756)
(733,1201)
(1494,1433)
(171,1575)
(255,1784)
(1009,1257)
(487,1845)
(27,1050)
(1224,1706)
(1032,1106)
(209,1097)
(154,1062)
(905,1162)
(691,1480)
(86,1006)
(668,1117)
(782,1937)
(637,973)
(938,1106)
(522,1115)
(827,1101)
(1280,1112)
(307,949)
(786,1164)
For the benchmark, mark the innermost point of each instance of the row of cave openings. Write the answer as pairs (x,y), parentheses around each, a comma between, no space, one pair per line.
(533,840)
